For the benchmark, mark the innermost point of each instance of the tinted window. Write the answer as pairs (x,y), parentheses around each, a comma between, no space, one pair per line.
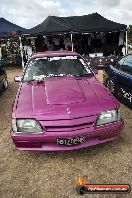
(121,61)
(118,65)
(127,65)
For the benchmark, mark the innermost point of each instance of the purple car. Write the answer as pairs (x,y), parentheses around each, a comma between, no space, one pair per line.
(60,105)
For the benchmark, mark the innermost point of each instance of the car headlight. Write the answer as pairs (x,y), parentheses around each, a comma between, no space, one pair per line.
(30,126)
(109,116)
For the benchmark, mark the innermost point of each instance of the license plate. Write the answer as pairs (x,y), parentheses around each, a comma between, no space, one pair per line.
(71,141)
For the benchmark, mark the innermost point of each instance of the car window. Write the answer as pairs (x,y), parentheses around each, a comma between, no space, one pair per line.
(121,61)
(118,64)
(127,64)
(39,68)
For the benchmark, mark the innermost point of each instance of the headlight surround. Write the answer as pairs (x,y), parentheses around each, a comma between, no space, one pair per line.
(107,117)
(29,126)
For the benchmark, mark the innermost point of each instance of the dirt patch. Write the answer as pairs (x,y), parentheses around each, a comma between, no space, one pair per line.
(53,174)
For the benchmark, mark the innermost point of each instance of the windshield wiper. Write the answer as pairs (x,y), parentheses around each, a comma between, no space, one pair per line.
(39,80)
(34,80)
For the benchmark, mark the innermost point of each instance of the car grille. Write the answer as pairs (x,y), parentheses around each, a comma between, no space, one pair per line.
(69,125)
(69,128)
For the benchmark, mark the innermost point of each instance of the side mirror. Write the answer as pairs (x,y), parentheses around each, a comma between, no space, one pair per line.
(17,79)
(95,71)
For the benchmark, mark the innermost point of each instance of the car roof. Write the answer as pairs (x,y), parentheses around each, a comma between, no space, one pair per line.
(53,53)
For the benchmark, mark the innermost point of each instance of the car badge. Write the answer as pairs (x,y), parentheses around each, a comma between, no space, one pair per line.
(68,111)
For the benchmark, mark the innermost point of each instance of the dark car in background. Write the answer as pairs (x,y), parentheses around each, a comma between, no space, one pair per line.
(118,78)
(3,79)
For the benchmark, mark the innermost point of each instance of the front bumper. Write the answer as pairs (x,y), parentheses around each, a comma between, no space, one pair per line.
(47,141)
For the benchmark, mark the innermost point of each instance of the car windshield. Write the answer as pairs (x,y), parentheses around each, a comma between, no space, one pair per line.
(40,68)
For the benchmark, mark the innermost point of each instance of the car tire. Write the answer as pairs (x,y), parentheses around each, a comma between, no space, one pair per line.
(111,86)
(5,84)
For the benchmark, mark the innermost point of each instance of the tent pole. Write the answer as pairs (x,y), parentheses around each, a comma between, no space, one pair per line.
(72,42)
(21,49)
(126,43)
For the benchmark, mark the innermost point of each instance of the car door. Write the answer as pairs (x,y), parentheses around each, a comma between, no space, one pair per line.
(127,78)
(121,77)
(114,71)
(124,75)
(124,79)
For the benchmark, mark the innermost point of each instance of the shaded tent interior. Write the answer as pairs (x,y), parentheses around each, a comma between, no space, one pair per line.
(80,24)
(91,23)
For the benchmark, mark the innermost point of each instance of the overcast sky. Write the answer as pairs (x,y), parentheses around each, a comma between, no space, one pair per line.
(28,13)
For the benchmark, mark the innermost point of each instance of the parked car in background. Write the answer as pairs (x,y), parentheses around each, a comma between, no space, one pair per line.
(60,105)
(118,78)
(3,79)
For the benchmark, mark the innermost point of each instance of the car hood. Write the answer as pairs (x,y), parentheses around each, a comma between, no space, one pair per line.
(63,98)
